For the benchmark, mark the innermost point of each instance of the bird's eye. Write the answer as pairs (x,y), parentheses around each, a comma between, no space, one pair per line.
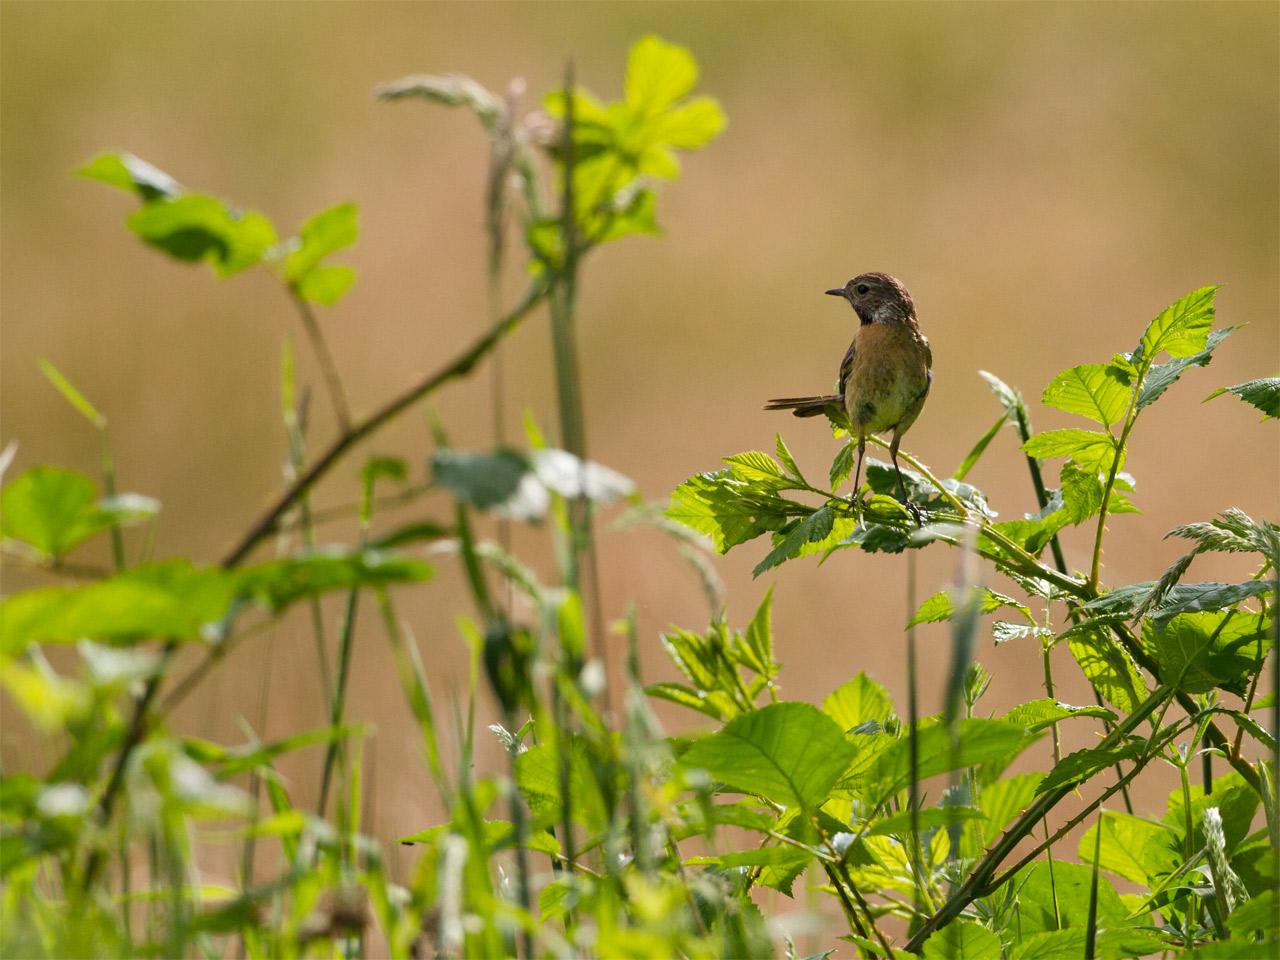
(862,289)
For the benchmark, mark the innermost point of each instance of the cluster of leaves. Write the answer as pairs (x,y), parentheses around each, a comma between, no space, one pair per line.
(1144,648)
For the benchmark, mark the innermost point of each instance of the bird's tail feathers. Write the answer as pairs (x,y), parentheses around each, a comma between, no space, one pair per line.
(806,406)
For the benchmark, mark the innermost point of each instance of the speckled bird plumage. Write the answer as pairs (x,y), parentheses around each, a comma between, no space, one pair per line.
(885,374)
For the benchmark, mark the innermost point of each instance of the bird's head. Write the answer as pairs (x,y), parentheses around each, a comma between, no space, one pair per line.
(878,298)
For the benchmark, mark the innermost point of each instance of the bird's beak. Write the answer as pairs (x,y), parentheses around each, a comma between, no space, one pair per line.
(837,292)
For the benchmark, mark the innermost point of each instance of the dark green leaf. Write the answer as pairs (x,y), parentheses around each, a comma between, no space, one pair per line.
(789,753)
(813,529)
(1162,376)
(1056,895)
(483,480)
(412,533)
(1083,764)
(1216,648)
(1263,393)
(1092,390)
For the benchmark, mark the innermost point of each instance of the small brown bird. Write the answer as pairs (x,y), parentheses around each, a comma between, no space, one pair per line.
(884,376)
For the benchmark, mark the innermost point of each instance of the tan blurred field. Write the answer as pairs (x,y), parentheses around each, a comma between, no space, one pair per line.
(1044,178)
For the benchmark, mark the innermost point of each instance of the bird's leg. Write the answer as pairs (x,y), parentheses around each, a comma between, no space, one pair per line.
(857,470)
(902,487)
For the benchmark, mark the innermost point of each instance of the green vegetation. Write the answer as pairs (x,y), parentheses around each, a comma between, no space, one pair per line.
(601,835)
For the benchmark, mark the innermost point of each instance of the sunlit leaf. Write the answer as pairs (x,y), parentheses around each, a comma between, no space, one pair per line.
(789,753)
(1182,328)
(1092,390)
(172,600)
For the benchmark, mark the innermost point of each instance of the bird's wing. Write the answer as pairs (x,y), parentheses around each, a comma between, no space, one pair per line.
(846,366)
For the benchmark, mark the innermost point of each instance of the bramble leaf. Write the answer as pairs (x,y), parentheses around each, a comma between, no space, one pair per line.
(789,753)
(1093,390)
(1263,393)
(1180,329)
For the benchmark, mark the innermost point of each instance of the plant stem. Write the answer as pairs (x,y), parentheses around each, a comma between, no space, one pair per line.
(328,368)
(459,366)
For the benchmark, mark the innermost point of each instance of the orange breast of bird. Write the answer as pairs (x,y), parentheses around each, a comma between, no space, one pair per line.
(890,378)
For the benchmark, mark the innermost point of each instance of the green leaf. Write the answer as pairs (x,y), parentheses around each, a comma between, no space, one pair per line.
(1002,631)
(786,859)
(54,510)
(72,395)
(789,753)
(858,702)
(714,704)
(1035,715)
(1111,944)
(813,529)
(758,639)
(760,468)
(538,775)
(728,509)
(1108,667)
(1093,390)
(841,466)
(658,74)
(1081,493)
(941,607)
(326,285)
(1237,804)
(172,600)
(1054,895)
(999,803)
(691,125)
(788,461)
(412,533)
(325,233)
(979,448)
(899,824)
(196,227)
(131,174)
(978,742)
(279,583)
(1261,914)
(1162,376)
(1217,648)
(1263,393)
(963,940)
(49,700)
(483,480)
(1182,328)
(1083,764)
(1125,838)
(1090,449)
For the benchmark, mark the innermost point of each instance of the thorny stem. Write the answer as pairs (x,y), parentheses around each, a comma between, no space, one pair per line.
(978,880)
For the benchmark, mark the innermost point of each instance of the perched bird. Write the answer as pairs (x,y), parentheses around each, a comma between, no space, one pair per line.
(884,376)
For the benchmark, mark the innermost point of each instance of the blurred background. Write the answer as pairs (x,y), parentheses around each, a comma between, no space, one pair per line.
(1044,178)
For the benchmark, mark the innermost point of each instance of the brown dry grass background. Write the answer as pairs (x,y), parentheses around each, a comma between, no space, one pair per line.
(1043,177)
